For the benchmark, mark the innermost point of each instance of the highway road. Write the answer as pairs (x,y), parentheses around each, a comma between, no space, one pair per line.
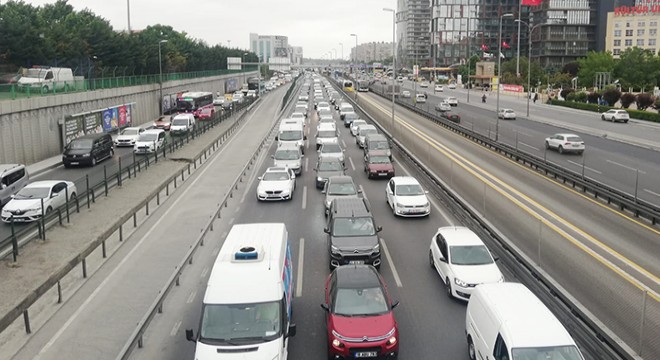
(630,168)
(581,243)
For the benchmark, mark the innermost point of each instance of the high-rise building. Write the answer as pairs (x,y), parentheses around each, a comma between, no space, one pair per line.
(413,32)
(276,51)
(628,27)
(372,52)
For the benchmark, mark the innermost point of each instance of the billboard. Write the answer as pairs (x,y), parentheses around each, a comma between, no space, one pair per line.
(97,121)
(234,63)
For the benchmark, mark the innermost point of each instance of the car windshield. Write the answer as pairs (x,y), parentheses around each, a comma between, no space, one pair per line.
(409,190)
(568,352)
(341,189)
(148,137)
(276,176)
(325,112)
(346,109)
(32,193)
(470,255)
(297,115)
(360,302)
(81,144)
(287,154)
(130,132)
(353,226)
(351,116)
(573,139)
(241,323)
(364,132)
(326,134)
(331,148)
(330,166)
(378,145)
(379,160)
(357,123)
(180,122)
(290,135)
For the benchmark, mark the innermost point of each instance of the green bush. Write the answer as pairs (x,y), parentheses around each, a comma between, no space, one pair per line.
(634,114)
(571,96)
(581,97)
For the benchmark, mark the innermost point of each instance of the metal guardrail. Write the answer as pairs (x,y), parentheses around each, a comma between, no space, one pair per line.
(90,194)
(624,201)
(136,338)
(599,341)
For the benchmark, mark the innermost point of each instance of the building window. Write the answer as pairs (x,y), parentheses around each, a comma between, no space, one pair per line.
(629,33)
(627,24)
(617,24)
(616,52)
(628,42)
(617,33)
(653,32)
(640,42)
(617,42)
(653,23)
(641,24)
(652,42)
(640,32)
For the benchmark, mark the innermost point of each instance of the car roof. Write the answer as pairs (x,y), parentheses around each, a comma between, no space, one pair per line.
(153,131)
(43,183)
(567,134)
(357,276)
(5,167)
(367,126)
(341,179)
(277,169)
(405,180)
(459,235)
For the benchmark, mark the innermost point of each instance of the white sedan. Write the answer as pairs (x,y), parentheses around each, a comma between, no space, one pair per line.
(462,261)
(405,94)
(25,206)
(507,114)
(438,88)
(355,125)
(451,101)
(277,183)
(406,197)
(565,143)
(128,136)
(331,151)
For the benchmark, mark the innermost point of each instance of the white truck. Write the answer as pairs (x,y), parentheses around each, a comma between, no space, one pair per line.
(182,124)
(46,78)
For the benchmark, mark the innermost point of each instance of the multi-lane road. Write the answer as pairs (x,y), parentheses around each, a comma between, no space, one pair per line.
(599,256)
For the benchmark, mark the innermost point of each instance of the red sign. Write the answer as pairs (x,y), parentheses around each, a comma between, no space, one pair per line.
(636,10)
(512,88)
(532,2)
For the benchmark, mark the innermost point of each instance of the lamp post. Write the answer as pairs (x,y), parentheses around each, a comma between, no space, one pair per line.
(468,53)
(243,70)
(160,72)
(335,50)
(393,59)
(499,75)
(529,57)
(356,56)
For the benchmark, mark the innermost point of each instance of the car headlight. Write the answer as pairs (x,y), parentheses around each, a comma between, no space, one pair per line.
(460,282)
(319,179)
(338,344)
(391,341)
(86,154)
(376,248)
(334,249)
(398,204)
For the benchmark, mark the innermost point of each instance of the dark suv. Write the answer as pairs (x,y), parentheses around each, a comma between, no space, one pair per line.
(88,150)
(352,233)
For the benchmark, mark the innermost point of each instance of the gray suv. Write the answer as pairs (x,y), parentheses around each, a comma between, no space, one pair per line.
(339,187)
(352,233)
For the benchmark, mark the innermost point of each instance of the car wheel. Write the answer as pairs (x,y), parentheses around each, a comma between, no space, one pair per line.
(93,161)
(560,149)
(431,262)
(73,197)
(602,117)
(471,352)
(547,145)
(625,121)
(394,210)
(49,210)
(448,288)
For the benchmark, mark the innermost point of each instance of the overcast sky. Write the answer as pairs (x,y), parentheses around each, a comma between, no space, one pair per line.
(318,26)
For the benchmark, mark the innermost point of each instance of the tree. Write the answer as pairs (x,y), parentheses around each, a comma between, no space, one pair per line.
(637,69)
(593,63)
(593,97)
(561,80)
(571,68)
(611,95)
(627,99)
(566,92)
(644,100)
(463,69)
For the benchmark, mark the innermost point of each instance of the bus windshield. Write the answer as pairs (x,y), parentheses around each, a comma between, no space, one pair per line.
(240,324)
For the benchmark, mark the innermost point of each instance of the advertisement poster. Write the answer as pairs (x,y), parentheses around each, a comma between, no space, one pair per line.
(92,124)
(107,120)
(167,106)
(129,116)
(122,116)
(73,128)
(115,118)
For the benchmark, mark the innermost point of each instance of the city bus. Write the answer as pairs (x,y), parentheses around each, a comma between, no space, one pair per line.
(256,84)
(363,86)
(195,102)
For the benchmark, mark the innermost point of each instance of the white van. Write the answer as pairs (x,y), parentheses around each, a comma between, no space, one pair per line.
(292,133)
(246,312)
(13,177)
(47,78)
(182,123)
(507,321)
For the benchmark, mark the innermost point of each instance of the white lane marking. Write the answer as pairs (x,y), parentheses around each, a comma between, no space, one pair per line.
(306,165)
(351,161)
(626,166)
(231,221)
(343,143)
(390,262)
(301,259)
(191,297)
(175,328)
(586,167)
(529,146)
(205,271)
(522,133)
(433,203)
(652,192)
(128,256)
(238,208)
(304,198)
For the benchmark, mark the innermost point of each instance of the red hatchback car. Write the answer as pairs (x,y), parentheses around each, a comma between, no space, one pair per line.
(359,318)
(377,164)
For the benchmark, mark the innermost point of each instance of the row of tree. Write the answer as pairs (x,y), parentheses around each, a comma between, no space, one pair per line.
(636,69)
(56,35)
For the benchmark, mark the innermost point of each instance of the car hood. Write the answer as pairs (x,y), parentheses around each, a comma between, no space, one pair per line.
(412,200)
(127,137)
(380,167)
(327,174)
(268,350)
(477,274)
(289,163)
(351,243)
(23,204)
(273,185)
(144,143)
(174,127)
(359,326)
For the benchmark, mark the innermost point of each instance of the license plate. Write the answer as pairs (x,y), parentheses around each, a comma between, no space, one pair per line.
(366,354)
(382,174)
(75,163)
(357,262)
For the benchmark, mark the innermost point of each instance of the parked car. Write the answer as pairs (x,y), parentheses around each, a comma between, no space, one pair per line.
(277,183)
(326,168)
(462,260)
(128,136)
(359,315)
(615,115)
(25,206)
(451,116)
(406,197)
(506,114)
(565,143)
(163,122)
(88,150)
(378,164)
(150,141)
(341,186)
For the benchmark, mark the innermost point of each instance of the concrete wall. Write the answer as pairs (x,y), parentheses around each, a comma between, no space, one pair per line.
(30,131)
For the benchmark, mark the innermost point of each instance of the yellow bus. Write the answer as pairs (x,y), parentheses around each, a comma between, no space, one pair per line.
(348,86)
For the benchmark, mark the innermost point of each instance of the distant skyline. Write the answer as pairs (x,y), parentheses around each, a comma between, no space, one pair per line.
(317,26)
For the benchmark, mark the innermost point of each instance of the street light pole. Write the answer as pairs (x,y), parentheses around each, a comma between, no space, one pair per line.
(356,56)
(243,70)
(499,75)
(468,53)
(393,60)
(529,59)
(160,72)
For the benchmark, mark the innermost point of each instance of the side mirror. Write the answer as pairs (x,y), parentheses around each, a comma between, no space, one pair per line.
(395,303)
(496,258)
(379,228)
(326,230)
(325,307)
(442,259)
(292,330)
(190,335)
(359,191)
(272,156)
(304,137)
(259,178)
(276,138)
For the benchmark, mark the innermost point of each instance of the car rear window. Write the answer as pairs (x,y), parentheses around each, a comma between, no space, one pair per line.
(573,139)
